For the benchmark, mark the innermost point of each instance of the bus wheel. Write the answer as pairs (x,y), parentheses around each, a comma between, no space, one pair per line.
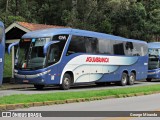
(124,79)
(149,79)
(131,79)
(66,82)
(39,87)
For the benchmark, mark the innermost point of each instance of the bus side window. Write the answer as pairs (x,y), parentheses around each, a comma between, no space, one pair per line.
(129,48)
(118,47)
(88,45)
(77,45)
(139,49)
(54,54)
(94,46)
(91,45)
(104,46)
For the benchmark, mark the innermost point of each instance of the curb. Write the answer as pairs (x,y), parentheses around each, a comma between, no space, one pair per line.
(35,104)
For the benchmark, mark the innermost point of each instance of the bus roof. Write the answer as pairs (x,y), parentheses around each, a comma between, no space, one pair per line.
(53,31)
(154,45)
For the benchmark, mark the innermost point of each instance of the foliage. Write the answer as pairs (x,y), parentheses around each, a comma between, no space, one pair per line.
(23,98)
(136,19)
(7,66)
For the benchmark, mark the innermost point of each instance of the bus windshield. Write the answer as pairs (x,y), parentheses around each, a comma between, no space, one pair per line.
(30,53)
(153,62)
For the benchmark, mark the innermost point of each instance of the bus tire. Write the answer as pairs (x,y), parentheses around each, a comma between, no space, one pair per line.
(149,79)
(66,82)
(131,79)
(124,79)
(39,87)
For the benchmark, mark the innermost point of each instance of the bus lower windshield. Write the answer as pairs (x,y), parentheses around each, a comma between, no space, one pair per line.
(30,53)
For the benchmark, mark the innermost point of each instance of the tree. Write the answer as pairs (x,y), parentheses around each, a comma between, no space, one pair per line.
(137,19)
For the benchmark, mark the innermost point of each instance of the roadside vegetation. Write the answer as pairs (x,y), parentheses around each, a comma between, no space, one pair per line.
(136,19)
(22,98)
(7,66)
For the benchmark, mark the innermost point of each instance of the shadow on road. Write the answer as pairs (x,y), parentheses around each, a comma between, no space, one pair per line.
(77,87)
(86,86)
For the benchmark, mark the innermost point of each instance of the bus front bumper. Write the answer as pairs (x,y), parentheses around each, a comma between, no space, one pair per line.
(153,74)
(28,79)
(38,78)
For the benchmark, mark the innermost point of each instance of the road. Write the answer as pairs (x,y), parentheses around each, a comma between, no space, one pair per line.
(73,89)
(140,103)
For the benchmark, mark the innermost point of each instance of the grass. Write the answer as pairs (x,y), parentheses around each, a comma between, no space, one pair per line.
(22,98)
(8,66)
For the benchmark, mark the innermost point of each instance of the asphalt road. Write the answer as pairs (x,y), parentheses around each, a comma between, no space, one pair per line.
(52,89)
(140,103)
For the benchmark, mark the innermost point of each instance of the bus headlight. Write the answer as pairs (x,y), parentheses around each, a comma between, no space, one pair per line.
(151,73)
(43,73)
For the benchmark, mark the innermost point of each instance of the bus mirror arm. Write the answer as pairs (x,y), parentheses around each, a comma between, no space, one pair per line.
(11,45)
(45,48)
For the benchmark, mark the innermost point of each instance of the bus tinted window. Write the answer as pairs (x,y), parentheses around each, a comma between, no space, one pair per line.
(104,46)
(56,50)
(1,33)
(118,48)
(140,49)
(80,44)
(135,49)
(128,48)
(91,45)
(77,45)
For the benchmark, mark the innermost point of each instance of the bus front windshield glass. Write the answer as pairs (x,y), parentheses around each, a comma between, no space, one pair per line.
(153,62)
(30,53)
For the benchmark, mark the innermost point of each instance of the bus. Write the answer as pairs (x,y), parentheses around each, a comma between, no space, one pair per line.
(2,50)
(154,61)
(67,56)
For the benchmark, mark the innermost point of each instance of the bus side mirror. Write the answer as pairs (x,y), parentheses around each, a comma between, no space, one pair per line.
(45,48)
(11,45)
